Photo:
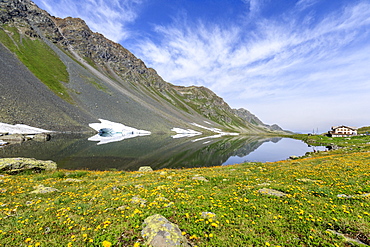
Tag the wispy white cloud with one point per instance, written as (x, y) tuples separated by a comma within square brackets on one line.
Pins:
[(304, 4), (107, 17), (291, 59)]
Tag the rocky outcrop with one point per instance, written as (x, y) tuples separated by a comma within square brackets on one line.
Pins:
[(159, 232), (17, 165), (206, 103), (107, 55), (26, 15)]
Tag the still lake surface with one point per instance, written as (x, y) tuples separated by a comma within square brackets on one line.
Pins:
[(157, 151)]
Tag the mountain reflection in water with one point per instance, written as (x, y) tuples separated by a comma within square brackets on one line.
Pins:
[(157, 151)]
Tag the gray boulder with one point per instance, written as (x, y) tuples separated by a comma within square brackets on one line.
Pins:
[(159, 232), (17, 165), (200, 178), (145, 169), (41, 189), (272, 192)]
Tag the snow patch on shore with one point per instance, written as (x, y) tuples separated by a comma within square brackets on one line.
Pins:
[(21, 129), (113, 127), (113, 132)]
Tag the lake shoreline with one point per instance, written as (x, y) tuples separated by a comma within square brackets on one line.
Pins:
[(81, 151)]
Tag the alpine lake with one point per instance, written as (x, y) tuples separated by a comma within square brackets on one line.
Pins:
[(71, 151)]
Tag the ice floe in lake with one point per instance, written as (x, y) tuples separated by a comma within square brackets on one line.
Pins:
[(113, 132), (20, 129), (184, 133)]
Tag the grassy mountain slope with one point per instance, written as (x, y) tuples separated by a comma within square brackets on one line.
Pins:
[(364, 130), (97, 78)]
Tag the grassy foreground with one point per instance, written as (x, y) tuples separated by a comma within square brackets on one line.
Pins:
[(107, 208)]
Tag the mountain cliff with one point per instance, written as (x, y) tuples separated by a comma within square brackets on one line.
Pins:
[(251, 118), (58, 74)]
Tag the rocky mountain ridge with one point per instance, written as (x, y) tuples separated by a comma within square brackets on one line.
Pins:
[(251, 118), (104, 80)]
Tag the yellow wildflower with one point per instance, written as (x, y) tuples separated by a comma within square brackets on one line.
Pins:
[(214, 224), (107, 243)]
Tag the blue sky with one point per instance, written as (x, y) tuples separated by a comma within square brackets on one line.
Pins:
[(303, 64)]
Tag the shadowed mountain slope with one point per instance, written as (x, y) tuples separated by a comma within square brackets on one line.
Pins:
[(59, 75)]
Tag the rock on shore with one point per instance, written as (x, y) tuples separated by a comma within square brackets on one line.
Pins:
[(17, 165)]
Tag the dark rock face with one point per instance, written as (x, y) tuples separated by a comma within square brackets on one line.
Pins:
[(248, 116), (104, 70), (101, 50)]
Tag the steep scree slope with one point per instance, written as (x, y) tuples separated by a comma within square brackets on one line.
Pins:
[(93, 78)]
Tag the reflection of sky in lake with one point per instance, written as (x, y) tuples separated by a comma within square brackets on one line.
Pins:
[(270, 151)]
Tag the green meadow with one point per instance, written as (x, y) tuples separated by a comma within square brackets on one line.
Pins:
[(326, 202)]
